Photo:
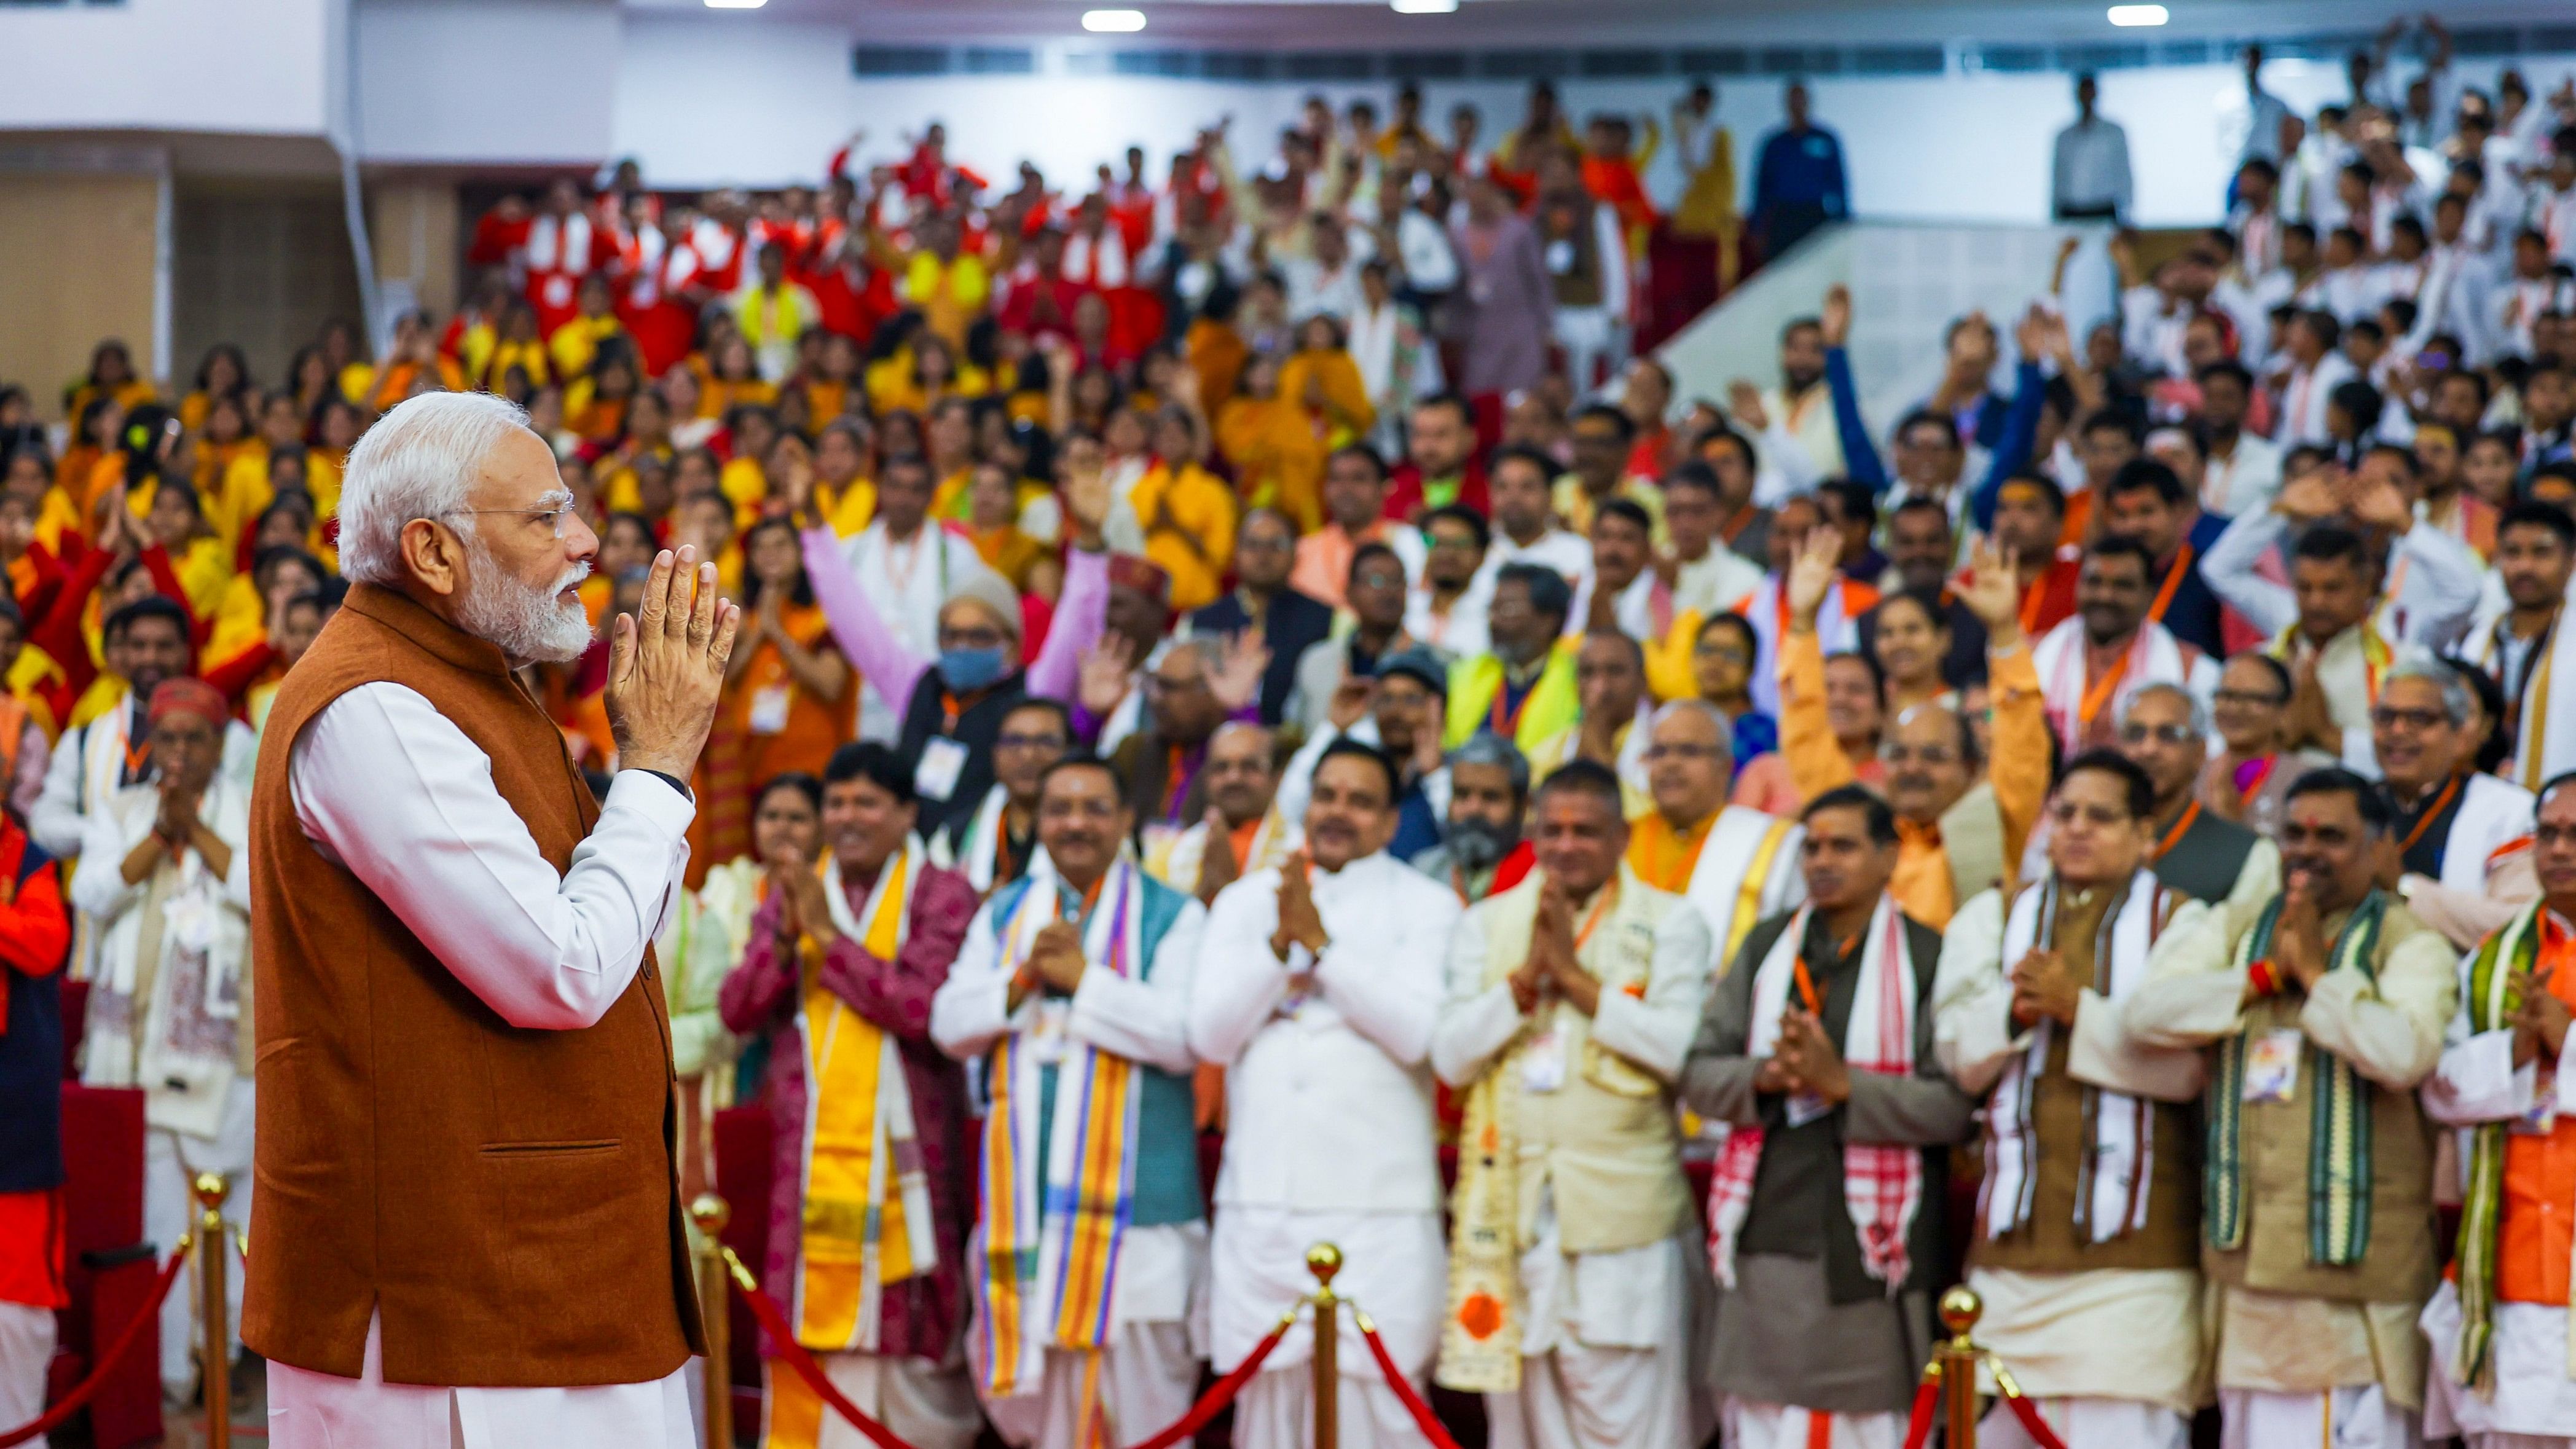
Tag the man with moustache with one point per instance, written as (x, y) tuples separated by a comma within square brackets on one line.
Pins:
[(2464, 836), (2086, 1248), (1318, 988), (1736, 864), (998, 842), (1610, 683), (2328, 1006), (1815, 1059), (1073, 987), (1240, 832), (1399, 712), (2111, 645), (2499, 1331), (500, 1246), (2524, 649), (1481, 850), (1957, 835), (2147, 501), (2164, 731), (874, 1256), (1570, 1003)]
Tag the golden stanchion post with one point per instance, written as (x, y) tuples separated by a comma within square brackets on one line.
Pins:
[(215, 1362), (710, 1213), (1957, 1357), (1324, 1261)]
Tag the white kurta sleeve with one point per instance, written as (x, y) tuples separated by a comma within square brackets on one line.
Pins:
[(2476, 1082), (1476, 1020), (2268, 606), (2442, 588), (1972, 1027), (393, 790), (1381, 980), (2391, 1033), (1239, 981), (2193, 994), (2103, 1052), (972, 1008), (56, 821), (1145, 1021), (98, 885), (1655, 1030)]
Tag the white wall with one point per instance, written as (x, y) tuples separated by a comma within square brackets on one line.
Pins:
[(257, 66), (486, 82)]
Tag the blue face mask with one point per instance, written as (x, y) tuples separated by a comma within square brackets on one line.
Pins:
[(963, 669)]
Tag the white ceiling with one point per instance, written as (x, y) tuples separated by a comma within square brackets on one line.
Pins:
[(1483, 23)]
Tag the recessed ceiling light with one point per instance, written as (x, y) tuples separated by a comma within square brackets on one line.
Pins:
[(1113, 22), (1424, 7), (2139, 15), (735, 4)]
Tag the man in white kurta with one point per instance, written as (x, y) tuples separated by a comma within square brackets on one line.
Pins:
[(908, 567), (1073, 986), (1572, 999), (1318, 985), (2086, 1250)]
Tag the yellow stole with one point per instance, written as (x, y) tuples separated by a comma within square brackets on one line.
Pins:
[(867, 1219)]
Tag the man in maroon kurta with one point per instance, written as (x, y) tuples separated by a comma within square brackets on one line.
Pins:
[(908, 1372)]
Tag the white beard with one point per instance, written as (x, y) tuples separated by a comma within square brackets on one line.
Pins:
[(528, 625)]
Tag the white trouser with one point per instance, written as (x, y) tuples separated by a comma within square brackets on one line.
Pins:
[(2093, 1423), (170, 1208), (1589, 335), (308, 1410), (26, 1348), (1777, 1426), (1147, 1378), (1275, 1411), (2356, 1416), (927, 1405)]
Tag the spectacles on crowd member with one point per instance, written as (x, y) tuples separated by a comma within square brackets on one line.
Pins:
[(972, 636), (2390, 717), (556, 514), (1894, 753), (2260, 698), (1682, 752), (2070, 813), (2172, 734), (1731, 653)]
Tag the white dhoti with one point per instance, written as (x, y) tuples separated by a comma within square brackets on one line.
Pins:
[(2535, 1398), (2356, 1416), (308, 1410), (1604, 1362), (1148, 1372), (2093, 1423), (1777, 1426), (170, 1159), (927, 1405), (1393, 1266), (26, 1349)]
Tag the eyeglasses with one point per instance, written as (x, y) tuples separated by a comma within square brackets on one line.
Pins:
[(1899, 754), (555, 516), (2391, 717), (1731, 653), (1682, 752), (972, 637), (2171, 734)]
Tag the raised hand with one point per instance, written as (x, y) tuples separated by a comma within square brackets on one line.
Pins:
[(2306, 498), (2376, 503), (1106, 674), (1350, 701), (1992, 592), (1086, 502), (1811, 574), (666, 670), (1744, 402), (1236, 680), (1838, 315)]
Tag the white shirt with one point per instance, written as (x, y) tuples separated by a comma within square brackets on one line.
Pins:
[(1328, 1095), (392, 790), (2091, 167), (907, 582), (2435, 597), (2245, 479), (2304, 395)]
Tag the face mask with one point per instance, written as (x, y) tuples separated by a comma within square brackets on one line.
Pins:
[(971, 668)]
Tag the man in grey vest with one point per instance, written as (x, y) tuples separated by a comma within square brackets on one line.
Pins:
[(2165, 731)]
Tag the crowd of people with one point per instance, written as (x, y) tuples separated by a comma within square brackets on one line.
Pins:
[(1667, 884)]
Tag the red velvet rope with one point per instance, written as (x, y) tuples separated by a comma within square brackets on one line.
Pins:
[(2032, 1424), (72, 1402), (774, 1320), (1926, 1399), (1423, 1419)]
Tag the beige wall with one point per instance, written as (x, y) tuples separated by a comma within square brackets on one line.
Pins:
[(261, 263), (76, 265), (413, 225)]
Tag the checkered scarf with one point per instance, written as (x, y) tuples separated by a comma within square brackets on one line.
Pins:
[(1882, 1183)]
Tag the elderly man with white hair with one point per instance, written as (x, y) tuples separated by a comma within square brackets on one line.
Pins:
[(469, 1229), (2464, 836)]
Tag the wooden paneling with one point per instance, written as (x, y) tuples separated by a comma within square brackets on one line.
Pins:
[(76, 265)]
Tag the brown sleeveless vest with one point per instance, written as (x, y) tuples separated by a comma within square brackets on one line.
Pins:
[(504, 1198)]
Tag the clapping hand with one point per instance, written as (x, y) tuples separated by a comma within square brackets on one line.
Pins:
[(2044, 990), (2540, 1021), (1808, 1058), (1056, 956), (1217, 868), (2298, 937), (1300, 924)]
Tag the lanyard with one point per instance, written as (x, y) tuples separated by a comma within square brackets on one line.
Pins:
[(2182, 827), (2432, 813), (2173, 581)]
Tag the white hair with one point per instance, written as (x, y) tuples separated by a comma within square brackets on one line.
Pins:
[(420, 460)]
